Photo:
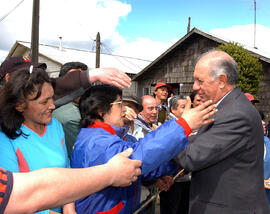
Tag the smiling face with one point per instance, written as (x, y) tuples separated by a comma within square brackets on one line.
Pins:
[(207, 87), (150, 109), (210, 79), (162, 94), (39, 111), (115, 116)]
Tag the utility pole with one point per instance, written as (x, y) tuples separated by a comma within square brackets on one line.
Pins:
[(255, 24), (98, 50), (188, 27), (35, 32)]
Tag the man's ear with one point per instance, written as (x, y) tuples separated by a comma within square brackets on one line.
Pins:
[(222, 80), (20, 107)]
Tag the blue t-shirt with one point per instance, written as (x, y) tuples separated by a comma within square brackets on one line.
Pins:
[(32, 151)]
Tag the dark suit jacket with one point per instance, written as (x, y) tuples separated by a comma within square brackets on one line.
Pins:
[(226, 160)]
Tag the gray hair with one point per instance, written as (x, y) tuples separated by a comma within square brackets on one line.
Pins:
[(173, 103), (224, 65)]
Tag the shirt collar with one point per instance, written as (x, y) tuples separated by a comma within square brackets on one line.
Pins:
[(172, 115), (223, 97)]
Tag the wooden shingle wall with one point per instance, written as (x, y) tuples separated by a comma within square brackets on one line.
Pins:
[(264, 93), (177, 67)]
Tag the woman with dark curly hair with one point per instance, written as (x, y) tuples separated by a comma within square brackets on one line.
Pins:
[(30, 138), (101, 137)]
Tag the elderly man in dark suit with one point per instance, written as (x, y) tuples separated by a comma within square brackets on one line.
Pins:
[(225, 157)]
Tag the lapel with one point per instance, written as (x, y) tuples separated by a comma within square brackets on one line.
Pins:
[(231, 97)]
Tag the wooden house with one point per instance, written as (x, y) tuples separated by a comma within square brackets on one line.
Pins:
[(176, 65)]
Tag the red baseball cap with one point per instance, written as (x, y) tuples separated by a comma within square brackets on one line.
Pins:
[(16, 62), (251, 98), (162, 84)]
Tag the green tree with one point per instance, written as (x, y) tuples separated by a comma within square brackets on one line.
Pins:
[(249, 67)]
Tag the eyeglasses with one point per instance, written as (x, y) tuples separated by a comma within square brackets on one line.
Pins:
[(117, 102)]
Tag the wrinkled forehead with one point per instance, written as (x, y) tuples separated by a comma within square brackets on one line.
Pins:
[(201, 71), (150, 103)]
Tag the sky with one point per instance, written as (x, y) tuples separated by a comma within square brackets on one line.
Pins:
[(137, 28)]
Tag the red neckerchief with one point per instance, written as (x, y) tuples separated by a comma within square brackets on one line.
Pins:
[(102, 125)]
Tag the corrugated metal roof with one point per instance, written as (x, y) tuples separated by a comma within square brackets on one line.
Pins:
[(127, 64)]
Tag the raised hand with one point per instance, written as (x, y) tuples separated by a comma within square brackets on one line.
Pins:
[(110, 76), (199, 116)]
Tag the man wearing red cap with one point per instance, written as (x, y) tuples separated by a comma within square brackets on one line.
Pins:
[(251, 98), (161, 95)]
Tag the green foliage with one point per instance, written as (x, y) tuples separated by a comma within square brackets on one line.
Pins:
[(249, 67)]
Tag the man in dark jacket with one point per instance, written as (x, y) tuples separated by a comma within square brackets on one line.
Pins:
[(225, 157)]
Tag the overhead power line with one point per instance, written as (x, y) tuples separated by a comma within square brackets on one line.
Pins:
[(3, 17), (124, 64)]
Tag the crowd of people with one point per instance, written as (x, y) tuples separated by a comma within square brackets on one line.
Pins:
[(68, 146)]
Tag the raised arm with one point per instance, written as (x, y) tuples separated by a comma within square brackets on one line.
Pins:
[(73, 84), (170, 138)]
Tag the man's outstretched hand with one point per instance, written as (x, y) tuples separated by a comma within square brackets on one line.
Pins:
[(124, 171), (110, 76)]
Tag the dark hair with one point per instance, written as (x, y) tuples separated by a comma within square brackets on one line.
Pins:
[(20, 85), (192, 95), (173, 103), (97, 99), (72, 65), (261, 114)]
